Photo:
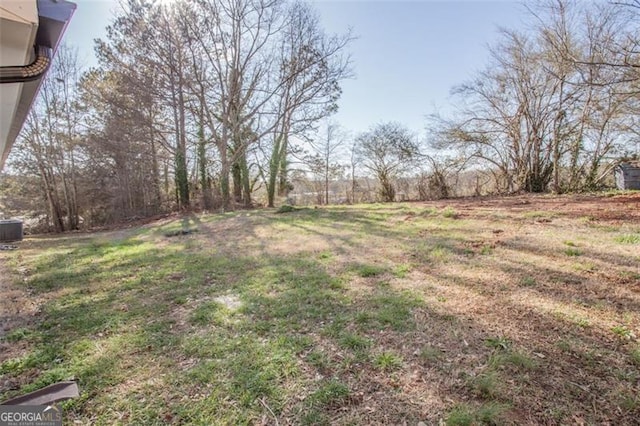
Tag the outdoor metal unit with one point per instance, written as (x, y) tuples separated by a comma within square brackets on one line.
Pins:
[(628, 176), (10, 230)]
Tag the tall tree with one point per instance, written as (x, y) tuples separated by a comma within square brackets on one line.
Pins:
[(326, 149), (311, 66), (49, 142), (146, 48), (539, 118), (387, 150)]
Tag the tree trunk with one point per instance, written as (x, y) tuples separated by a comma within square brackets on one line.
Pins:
[(202, 162), (387, 191), (52, 200), (74, 194), (274, 164), (157, 193), (246, 182), (326, 184), (283, 183), (236, 173), (180, 160), (224, 178), (353, 184)]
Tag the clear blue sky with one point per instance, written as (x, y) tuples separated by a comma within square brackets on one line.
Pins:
[(408, 55)]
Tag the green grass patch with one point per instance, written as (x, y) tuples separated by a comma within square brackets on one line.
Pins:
[(584, 266), (208, 313), (468, 415), (622, 332), (440, 253), (461, 415), (487, 385), (629, 402), (315, 417), (331, 393), (325, 255), (392, 310), (565, 346), (500, 343), (449, 213), (634, 354), (401, 271), (580, 321), (323, 316), (388, 361), (572, 252), (429, 211), (528, 282), (486, 250), (516, 359), (17, 335), (628, 239), (318, 359), (368, 271), (354, 342)]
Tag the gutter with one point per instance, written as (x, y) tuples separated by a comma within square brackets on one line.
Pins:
[(33, 71)]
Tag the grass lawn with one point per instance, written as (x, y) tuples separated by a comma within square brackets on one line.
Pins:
[(496, 311)]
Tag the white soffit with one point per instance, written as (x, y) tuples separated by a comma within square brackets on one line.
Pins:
[(18, 27)]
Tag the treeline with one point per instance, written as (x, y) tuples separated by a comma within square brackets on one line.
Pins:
[(558, 103), (193, 101), (219, 104), (555, 109)]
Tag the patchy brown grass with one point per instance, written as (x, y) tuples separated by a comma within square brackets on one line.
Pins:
[(520, 310)]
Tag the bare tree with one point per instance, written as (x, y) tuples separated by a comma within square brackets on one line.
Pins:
[(326, 149), (387, 150), (49, 145), (441, 176), (538, 118), (354, 162), (144, 51), (311, 66)]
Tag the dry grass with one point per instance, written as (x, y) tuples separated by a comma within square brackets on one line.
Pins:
[(521, 310)]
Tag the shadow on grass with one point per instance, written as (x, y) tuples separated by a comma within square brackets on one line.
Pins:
[(149, 335), (129, 308)]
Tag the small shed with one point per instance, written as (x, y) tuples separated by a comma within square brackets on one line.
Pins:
[(627, 175)]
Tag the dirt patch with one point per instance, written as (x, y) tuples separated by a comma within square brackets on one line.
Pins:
[(17, 306), (18, 312), (596, 207)]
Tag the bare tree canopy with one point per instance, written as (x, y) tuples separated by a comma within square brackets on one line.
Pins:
[(223, 104), (548, 112), (387, 150), (188, 101)]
